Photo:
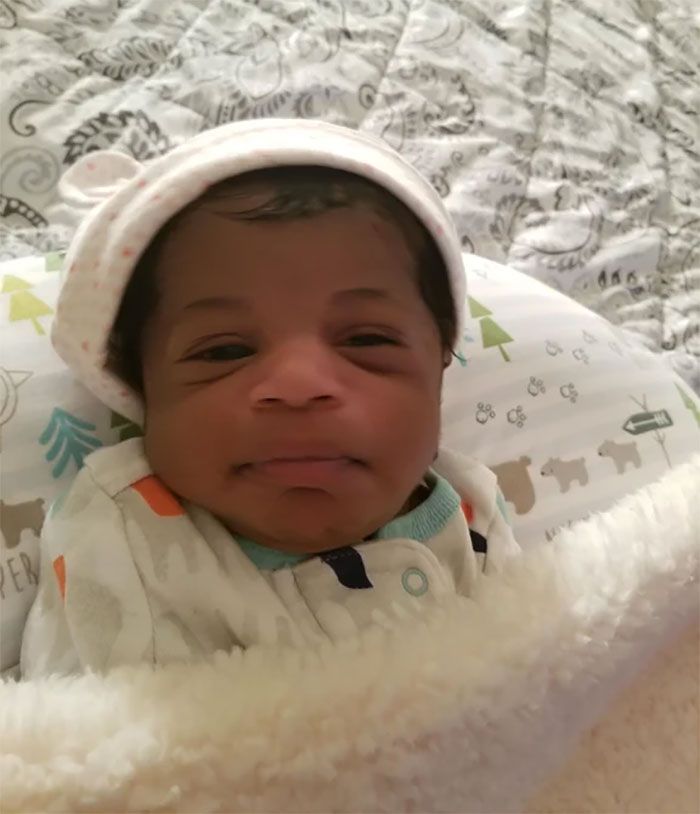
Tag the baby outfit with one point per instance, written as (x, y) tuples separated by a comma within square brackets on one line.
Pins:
[(129, 574)]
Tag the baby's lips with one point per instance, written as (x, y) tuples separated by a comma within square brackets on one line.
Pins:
[(307, 472), (297, 450)]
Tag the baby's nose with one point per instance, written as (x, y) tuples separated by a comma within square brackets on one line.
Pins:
[(299, 375)]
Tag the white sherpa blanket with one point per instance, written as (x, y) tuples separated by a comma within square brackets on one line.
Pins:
[(474, 709)]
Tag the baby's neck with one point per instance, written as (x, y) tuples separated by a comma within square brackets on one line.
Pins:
[(417, 496)]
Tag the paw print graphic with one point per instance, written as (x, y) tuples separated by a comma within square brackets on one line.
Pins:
[(553, 348), (615, 347), (484, 412), (535, 386), (588, 337), (568, 391), (580, 355), (516, 416)]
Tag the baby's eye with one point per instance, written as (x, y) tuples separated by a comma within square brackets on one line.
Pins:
[(231, 351), (364, 340)]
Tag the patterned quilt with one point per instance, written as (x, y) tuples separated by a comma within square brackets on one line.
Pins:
[(564, 135)]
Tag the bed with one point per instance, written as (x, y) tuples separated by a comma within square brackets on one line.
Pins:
[(564, 137)]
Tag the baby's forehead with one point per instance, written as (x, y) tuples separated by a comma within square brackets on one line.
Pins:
[(218, 227), (291, 192), (212, 255), (211, 231)]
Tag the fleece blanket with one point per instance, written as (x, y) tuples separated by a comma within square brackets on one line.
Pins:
[(474, 707), (644, 756)]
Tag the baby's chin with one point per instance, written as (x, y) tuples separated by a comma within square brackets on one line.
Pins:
[(298, 534), (310, 521)]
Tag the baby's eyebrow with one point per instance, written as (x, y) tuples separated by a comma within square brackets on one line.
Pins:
[(230, 303), (362, 294), (241, 304)]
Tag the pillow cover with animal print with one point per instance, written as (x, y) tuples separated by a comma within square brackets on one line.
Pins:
[(570, 412)]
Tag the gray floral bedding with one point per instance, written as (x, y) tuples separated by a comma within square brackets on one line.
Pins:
[(564, 135)]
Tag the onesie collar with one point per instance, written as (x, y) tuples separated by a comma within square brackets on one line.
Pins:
[(421, 524)]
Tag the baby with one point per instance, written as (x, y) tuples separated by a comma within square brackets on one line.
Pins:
[(275, 302)]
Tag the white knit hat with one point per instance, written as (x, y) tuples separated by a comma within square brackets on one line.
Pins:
[(129, 202)]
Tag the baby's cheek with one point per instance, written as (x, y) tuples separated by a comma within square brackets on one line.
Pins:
[(184, 448), (414, 408), (407, 430)]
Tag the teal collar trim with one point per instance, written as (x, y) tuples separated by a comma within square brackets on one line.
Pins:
[(421, 523), (428, 518), (269, 559)]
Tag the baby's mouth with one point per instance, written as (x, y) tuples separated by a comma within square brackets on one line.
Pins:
[(302, 471)]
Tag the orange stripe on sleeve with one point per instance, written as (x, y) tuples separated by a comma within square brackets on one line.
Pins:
[(468, 512), (59, 567), (160, 499)]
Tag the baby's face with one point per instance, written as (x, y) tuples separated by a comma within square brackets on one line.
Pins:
[(292, 375)]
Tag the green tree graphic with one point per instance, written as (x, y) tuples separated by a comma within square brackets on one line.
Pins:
[(690, 404), (460, 358), (53, 261), (70, 438), (23, 304), (492, 335), (477, 310), (127, 429)]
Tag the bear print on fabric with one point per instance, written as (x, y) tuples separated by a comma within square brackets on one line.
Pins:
[(621, 454), (566, 472), (515, 483), (16, 517)]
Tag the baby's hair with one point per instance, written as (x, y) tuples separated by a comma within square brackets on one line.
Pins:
[(278, 194)]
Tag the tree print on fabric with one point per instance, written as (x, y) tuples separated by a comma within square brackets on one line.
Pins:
[(24, 304), (492, 335), (690, 404), (70, 438), (53, 261)]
